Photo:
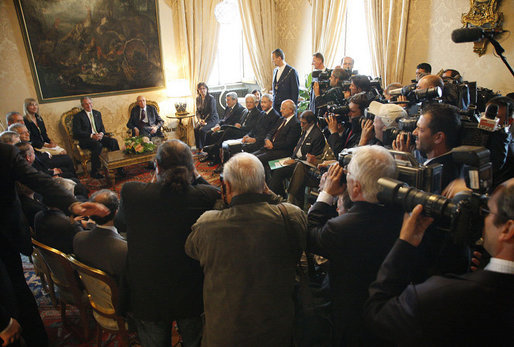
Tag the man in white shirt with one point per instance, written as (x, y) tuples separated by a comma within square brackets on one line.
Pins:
[(145, 120), (473, 309)]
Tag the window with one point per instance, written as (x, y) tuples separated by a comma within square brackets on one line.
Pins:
[(232, 63), (354, 45)]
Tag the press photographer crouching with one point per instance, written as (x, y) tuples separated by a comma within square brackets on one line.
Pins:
[(474, 309), (356, 242)]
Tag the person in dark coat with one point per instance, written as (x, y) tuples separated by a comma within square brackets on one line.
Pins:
[(286, 84), (162, 284), (145, 120), (206, 114)]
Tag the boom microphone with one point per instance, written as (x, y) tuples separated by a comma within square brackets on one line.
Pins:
[(467, 35)]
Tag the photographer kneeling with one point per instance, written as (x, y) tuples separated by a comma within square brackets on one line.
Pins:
[(474, 309), (356, 242)]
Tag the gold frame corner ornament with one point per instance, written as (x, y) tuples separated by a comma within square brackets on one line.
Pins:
[(483, 13)]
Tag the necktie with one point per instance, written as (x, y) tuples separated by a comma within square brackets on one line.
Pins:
[(299, 145), (92, 120), (278, 130), (143, 116)]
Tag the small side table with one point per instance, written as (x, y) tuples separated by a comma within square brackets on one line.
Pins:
[(183, 129)]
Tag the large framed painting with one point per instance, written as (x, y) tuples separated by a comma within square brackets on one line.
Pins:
[(84, 47)]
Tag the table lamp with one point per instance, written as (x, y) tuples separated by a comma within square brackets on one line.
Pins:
[(179, 89)]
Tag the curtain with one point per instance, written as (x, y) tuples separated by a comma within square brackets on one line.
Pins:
[(197, 38), (258, 20), (387, 32), (327, 28)]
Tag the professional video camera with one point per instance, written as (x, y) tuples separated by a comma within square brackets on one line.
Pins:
[(460, 216), (340, 111), (323, 79), (417, 95)]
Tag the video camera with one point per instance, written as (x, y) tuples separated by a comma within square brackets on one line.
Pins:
[(340, 111), (417, 95), (323, 80)]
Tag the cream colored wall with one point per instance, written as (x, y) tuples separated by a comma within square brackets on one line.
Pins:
[(429, 40), (17, 83), (294, 34)]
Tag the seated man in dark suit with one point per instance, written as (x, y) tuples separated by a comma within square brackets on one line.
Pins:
[(310, 145), (249, 122), (468, 310), (103, 248), (356, 242), (269, 121), (53, 228), (232, 116), (89, 129), (283, 140), (144, 119)]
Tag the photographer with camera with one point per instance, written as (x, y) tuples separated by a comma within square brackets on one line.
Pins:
[(422, 70), (345, 128), (437, 132), (357, 242), (473, 309), (380, 124), (335, 94)]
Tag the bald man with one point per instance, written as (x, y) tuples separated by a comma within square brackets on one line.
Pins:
[(144, 119)]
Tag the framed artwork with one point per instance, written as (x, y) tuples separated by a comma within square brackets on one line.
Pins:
[(84, 47)]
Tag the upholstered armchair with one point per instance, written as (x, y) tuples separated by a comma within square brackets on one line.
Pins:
[(164, 129)]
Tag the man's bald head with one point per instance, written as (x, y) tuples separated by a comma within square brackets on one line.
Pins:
[(430, 81)]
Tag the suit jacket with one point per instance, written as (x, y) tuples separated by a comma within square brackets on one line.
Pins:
[(287, 87), (54, 229), (82, 127), (208, 113), (233, 116), (288, 136), (356, 243), (38, 135), (103, 249), (16, 168), (314, 143), (151, 113), (250, 120), (469, 310), (249, 271), (161, 282), (267, 124), (350, 137)]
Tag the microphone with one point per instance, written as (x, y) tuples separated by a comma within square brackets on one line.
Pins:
[(473, 34), (467, 35)]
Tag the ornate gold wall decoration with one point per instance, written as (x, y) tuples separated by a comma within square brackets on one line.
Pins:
[(483, 13)]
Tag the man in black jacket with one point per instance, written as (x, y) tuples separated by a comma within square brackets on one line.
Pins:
[(474, 309), (162, 284), (309, 146), (281, 142), (269, 121), (24, 308), (145, 120), (357, 242), (285, 80), (89, 129)]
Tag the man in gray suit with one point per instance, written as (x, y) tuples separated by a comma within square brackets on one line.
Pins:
[(102, 247)]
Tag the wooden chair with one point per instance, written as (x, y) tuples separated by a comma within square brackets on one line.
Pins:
[(65, 279), (103, 297), (164, 129), (42, 270), (82, 156)]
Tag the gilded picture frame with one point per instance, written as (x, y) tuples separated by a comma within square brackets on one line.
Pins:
[(91, 47)]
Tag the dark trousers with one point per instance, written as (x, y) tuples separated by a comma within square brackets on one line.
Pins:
[(34, 332), (63, 162), (158, 334), (265, 155), (201, 133), (96, 148), (278, 178), (299, 180)]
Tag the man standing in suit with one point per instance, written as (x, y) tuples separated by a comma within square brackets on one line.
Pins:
[(356, 242), (102, 247), (310, 145), (89, 129), (162, 283), (144, 119), (469, 310), (281, 142), (286, 84), (23, 307)]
